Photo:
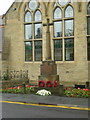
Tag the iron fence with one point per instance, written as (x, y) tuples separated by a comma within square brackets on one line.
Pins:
[(14, 74)]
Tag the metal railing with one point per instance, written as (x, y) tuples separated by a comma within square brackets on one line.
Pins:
[(14, 74)]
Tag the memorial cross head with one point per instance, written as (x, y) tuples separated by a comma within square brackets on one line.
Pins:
[(48, 24)]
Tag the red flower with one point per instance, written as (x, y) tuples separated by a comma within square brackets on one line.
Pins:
[(87, 90), (41, 83), (14, 87), (72, 95), (28, 86), (55, 83), (49, 83)]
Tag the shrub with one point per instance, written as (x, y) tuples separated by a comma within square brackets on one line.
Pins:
[(72, 92)]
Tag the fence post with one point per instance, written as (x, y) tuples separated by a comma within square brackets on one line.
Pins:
[(7, 74), (20, 74), (23, 87), (27, 74)]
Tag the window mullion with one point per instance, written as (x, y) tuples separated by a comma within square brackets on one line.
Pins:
[(33, 39), (63, 47), (33, 50)]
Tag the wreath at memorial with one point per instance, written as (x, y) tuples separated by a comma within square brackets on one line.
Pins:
[(55, 83), (41, 83), (49, 83)]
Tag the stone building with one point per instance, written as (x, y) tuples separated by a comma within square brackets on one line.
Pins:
[(1, 32), (48, 31)]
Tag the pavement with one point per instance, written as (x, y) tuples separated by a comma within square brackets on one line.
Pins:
[(46, 100)]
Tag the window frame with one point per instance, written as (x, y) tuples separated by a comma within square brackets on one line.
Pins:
[(88, 56), (63, 19), (88, 35), (61, 50), (65, 48), (25, 51), (34, 50), (33, 39)]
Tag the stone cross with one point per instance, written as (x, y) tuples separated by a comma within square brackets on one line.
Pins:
[(48, 24), (48, 44)]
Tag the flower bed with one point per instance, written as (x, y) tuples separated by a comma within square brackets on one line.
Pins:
[(69, 92), (18, 89), (72, 92)]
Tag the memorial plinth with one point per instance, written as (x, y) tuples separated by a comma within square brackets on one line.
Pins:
[(48, 70)]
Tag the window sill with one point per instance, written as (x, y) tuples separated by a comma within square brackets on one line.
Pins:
[(30, 62), (65, 62)]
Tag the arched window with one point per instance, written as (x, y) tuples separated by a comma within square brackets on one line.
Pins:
[(38, 26), (88, 31), (28, 27), (63, 34), (69, 11), (88, 19), (38, 16), (69, 23), (33, 32), (88, 9), (28, 17), (57, 13), (57, 22), (57, 33)]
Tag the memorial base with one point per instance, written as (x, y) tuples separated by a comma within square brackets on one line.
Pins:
[(49, 77)]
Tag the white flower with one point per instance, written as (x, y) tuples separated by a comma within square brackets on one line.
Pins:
[(43, 92)]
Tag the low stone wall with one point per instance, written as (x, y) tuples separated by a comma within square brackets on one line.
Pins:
[(11, 83), (59, 90)]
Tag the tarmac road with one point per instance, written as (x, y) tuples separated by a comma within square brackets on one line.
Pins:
[(12, 110)]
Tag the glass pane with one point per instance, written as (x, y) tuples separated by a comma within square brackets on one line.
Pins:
[(63, 2), (28, 51), (57, 13), (88, 48), (88, 25), (28, 31), (69, 49), (33, 4), (38, 50), (58, 49), (38, 16), (38, 31), (69, 12), (69, 31), (88, 9), (28, 17), (58, 29)]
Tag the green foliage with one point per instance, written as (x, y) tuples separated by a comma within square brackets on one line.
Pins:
[(18, 89), (71, 92)]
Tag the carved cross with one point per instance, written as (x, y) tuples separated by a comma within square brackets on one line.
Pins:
[(48, 24)]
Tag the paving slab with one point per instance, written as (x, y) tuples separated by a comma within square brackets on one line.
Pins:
[(57, 100)]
